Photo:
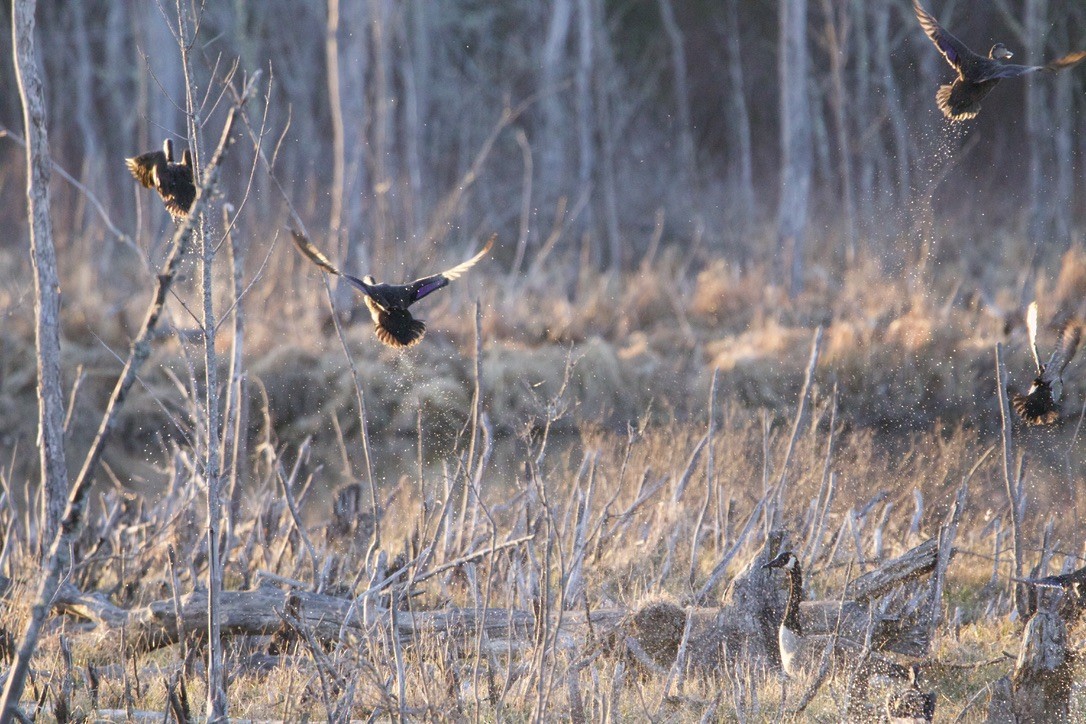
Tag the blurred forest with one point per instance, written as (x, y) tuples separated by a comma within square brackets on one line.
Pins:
[(642, 161), (636, 107), (733, 226)]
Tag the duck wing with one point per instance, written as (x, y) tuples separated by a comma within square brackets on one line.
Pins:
[(1068, 61), (1064, 352), (176, 187), (1031, 328), (142, 167), (427, 285), (998, 71), (955, 51), (311, 252)]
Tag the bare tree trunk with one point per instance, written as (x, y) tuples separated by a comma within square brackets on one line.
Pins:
[(743, 142), (54, 470), (381, 28), (586, 157), (895, 109), (553, 146), (335, 105), (164, 93), (682, 95), (1039, 129), (346, 98), (1063, 193), (604, 73), (60, 561), (188, 23), (795, 112), (415, 50), (865, 113), (835, 26), (84, 102)]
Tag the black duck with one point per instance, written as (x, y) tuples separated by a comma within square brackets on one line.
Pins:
[(1041, 405), (173, 181), (388, 303), (977, 75)]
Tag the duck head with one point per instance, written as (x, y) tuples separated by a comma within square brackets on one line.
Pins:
[(786, 560), (999, 52)]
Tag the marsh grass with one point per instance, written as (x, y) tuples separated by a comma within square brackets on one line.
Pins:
[(592, 448)]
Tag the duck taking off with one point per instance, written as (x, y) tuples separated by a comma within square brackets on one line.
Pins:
[(1041, 405), (977, 75), (388, 303), (173, 181)]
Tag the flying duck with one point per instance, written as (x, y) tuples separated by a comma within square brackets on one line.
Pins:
[(1041, 405), (173, 181), (388, 303), (911, 706), (977, 75)]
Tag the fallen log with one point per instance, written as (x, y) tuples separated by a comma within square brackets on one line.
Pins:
[(260, 612), (913, 564)]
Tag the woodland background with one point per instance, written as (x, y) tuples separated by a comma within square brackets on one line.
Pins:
[(683, 192)]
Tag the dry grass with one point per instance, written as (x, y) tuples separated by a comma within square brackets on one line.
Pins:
[(595, 392)]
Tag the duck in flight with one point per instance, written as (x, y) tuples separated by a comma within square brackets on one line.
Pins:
[(173, 181), (388, 303), (1041, 405), (977, 75)]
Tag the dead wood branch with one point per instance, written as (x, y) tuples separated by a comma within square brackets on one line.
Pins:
[(915, 563), (60, 556)]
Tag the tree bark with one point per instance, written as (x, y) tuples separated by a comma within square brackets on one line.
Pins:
[(835, 26), (414, 49), (744, 145), (682, 95), (39, 165), (555, 122), (1039, 127), (865, 112), (381, 12), (895, 111), (582, 81), (59, 562), (604, 69), (796, 158), (346, 80)]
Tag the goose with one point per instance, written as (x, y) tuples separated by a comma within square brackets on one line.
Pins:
[(388, 303), (802, 654), (911, 706), (173, 181), (977, 75), (1040, 405), (796, 658)]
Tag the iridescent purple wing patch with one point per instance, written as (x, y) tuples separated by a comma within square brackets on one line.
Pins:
[(429, 287)]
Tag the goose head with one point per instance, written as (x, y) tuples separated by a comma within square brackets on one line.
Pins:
[(999, 52), (786, 560)]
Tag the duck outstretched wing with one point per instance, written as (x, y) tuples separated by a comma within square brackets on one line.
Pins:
[(955, 51), (1064, 352), (427, 285)]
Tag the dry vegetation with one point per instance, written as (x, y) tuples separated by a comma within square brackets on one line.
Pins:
[(557, 506), (585, 488)]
